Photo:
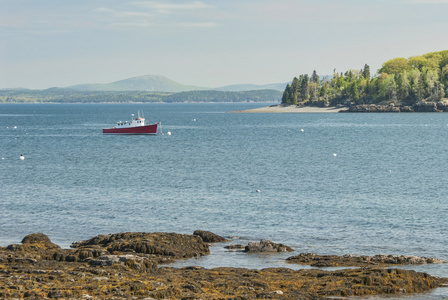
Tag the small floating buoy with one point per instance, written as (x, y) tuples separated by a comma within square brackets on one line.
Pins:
[(258, 191), (22, 157), (194, 120), (168, 133), (334, 154), (302, 130), (15, 127)]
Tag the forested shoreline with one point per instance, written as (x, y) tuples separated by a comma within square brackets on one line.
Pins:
[(60, 95), (399, 81)]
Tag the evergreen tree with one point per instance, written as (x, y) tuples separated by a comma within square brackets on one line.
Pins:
[(295, 90), (314, 77), (304, 87), (366, 72), (286, 99)]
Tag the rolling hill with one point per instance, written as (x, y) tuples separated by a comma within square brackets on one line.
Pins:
[(149, 83), (157, 83)]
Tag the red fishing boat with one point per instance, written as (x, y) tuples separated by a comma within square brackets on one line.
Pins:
[(135, 126)]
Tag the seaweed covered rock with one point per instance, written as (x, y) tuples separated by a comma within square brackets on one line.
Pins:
[(92, 272), (39, 238), (34, 241), (135, 262), (166, 244), (350, 260), (36, 246), (209, 237)]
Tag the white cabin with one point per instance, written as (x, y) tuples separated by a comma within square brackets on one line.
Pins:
[(133, 123)]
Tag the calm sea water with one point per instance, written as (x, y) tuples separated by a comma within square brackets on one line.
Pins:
[(347, 183)]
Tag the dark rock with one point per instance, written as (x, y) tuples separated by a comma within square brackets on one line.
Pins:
[(266, 246), (423, 106), (373, 108), (209, 237), (235, 247), (164, 244), (442, 106)]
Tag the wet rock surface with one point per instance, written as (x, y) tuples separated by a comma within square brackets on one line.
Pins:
[(266, 246), (165, 244), (113, 267), (209, 237), (349, 260)]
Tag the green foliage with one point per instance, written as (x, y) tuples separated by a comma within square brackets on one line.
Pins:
[(395, 66), (399, 81)]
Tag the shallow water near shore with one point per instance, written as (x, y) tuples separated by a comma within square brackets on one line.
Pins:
[(347, 183)]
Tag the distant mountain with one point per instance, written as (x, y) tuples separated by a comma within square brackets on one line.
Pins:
[(252, 87), (152, 83)]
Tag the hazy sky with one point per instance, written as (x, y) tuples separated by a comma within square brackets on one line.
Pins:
[(209, 43)]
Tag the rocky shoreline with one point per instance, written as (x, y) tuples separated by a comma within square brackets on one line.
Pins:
[(127, 266), (441, 106)]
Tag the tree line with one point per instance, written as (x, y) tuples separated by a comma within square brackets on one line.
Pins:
[(61, 95), (399, 81)]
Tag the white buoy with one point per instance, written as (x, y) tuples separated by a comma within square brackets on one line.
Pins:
[(168, 133), (22, 157), (194, 120), (258, 191), (334, 154), (302, 130)]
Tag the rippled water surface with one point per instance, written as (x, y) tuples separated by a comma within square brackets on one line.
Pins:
[(346, 183)]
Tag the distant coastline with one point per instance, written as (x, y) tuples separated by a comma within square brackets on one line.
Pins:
[(285, 108)]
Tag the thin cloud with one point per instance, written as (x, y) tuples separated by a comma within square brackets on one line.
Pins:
[(133, 24), (121, 14), (167, 8), (199, 24)]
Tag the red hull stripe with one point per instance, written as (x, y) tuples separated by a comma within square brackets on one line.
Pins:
[(148, 129)]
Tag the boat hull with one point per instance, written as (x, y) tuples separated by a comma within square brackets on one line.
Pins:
[(147, 129)]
